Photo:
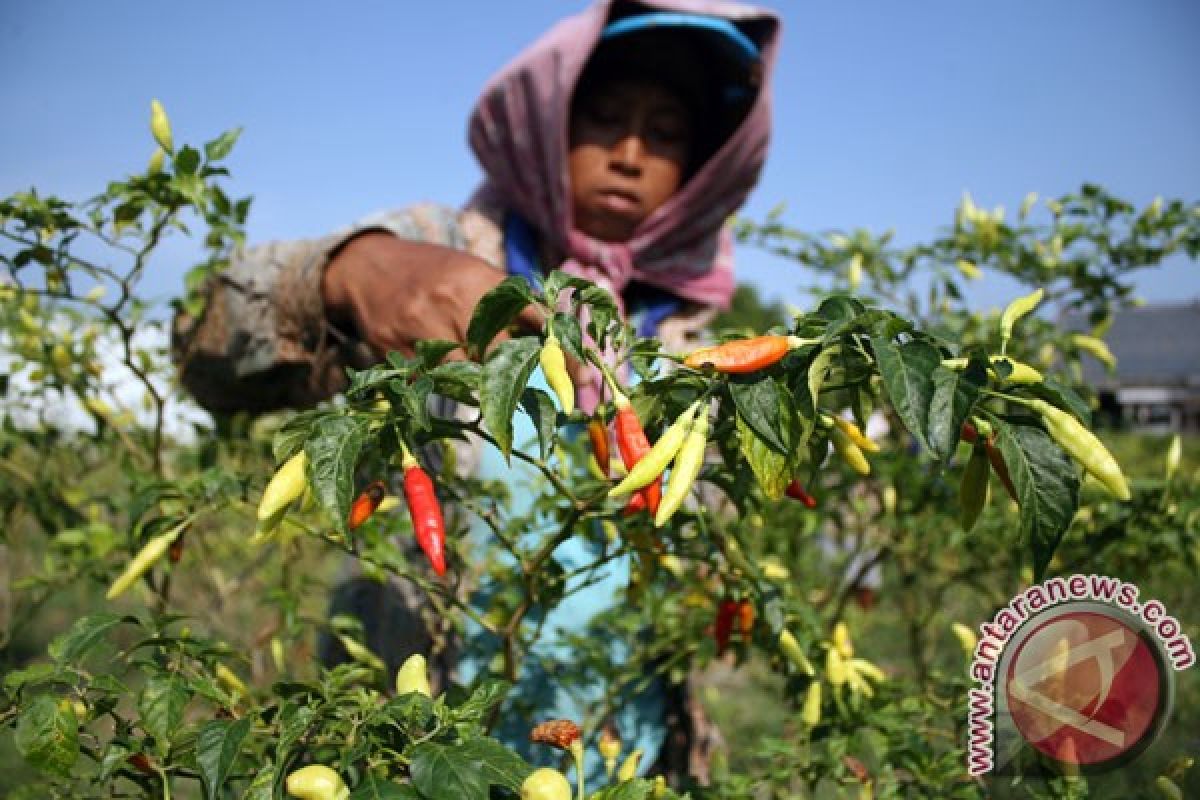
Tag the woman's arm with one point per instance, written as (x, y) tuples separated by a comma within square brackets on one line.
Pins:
[(281, 325)]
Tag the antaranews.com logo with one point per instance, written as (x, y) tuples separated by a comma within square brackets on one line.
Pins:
[(1076, 668)]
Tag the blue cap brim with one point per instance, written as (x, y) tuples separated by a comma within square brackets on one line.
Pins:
[(737, 43)]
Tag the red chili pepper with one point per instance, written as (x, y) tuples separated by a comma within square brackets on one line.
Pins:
[(637, 502), (633, 444), (743, 355), (365, 504), (795, 490), (175, 551), (142, 763), (426, 512), (598, 433), (723, 626), (971, 435)]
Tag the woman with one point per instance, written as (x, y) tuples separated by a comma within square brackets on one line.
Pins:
[(614, 148)]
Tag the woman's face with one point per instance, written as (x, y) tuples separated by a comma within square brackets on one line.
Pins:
[(630, 141)]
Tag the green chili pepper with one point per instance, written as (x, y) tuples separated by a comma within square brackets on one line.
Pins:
[(973, 490), (655, 461), (683, 473)]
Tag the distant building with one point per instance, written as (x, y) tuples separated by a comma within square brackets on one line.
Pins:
[(1156, 385)]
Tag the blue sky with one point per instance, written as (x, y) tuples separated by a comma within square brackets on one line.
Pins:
[(886, 112)]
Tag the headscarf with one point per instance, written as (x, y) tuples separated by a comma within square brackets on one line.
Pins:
[(519, 131)]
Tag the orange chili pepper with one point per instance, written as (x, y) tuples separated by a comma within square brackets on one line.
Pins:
[(598, 433), (365, 504), (744, 355)]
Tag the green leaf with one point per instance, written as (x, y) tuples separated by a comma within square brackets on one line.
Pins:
[(504, 378), (187, 161), (495, 310), (161, 706), (761, 405), (602, 310), (954, 395), (558, 280), (636, 789), (540, 408), (416, 402), (483, 700), (458, 380), (48, 736), (373, 788), (500, 766), (769, 466), (36, 674), (430, 352), (263, 785), (907, 372), (1047, 485), (441, 772), (85, 634), (333, 453), (220, 147), (290, 438), (217, 748), (570, 335)]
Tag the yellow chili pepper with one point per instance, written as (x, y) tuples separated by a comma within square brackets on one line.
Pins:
[(156, 161), (966, 638), (610, 749), (160, 126), (1017, 309), (856, 435), (841, 640), (230, 680), (794, 653), (651, 465), (811, 715), (554, 367), (1021, 373), (153, 550), (1096, 348), (1082, 445), (412, 677), (683, 473), (285, 486), (835, 667), (628, 770), (968, 270), (850, 452), (316, 782), (1174, 456)]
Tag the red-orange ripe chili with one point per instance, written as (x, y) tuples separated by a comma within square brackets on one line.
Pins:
[(633, 445), (598, 433), (795, 490), (426, 512), (744, 355), (175, 551), (365, 504), (723, 626)]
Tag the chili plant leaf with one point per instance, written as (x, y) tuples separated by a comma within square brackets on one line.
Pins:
[(907, 372), (954, 395), (495, 311), (161, 706), (500, 766), (85, 634), (47, 736), (541, 410), (333, 452), (1047, 485), (769, 466), (373, 788), (442, 772), (760, 404), (504, 378), (217, 748)]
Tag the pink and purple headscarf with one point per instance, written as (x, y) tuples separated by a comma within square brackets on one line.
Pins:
[(518, 131)]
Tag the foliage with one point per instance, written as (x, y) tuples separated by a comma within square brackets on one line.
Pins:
[(147, 696)]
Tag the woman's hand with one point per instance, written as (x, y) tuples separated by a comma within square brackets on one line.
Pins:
[(395, 292)]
